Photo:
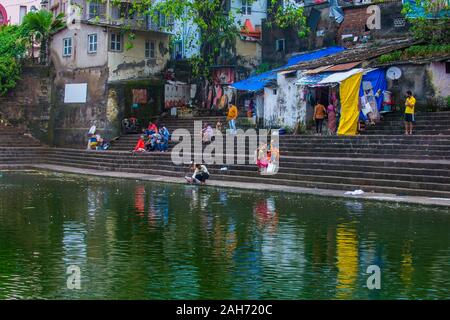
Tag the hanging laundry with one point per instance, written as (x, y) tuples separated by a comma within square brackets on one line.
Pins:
[(336, 11)]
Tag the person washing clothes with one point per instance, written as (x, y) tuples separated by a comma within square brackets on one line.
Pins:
[(200, 175)]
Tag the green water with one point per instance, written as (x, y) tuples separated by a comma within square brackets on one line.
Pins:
[(136, 240)]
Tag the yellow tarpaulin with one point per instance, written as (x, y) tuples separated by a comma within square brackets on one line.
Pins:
[(349, 92)]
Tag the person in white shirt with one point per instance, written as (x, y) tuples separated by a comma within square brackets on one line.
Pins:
[(200, 175)]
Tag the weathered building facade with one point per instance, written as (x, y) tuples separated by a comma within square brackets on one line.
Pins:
[(119, 59), (361, 21), (13, 11)]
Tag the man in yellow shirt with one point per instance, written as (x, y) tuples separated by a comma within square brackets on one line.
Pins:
[(231, 117), (410, 105)]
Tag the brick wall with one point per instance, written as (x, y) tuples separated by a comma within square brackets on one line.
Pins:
[(356, 18)]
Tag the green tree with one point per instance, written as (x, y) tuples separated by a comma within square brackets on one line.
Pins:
[(288, 14), (216, 21), (40, 25), (13, 45), (429, 19)]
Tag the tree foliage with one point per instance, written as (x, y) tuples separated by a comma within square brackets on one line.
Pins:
[(216, 24), (429, 19), (13, 45), (288, 14), (40, 25)]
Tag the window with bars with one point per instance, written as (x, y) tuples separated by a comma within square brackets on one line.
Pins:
[(116, 42), (150, 52), (67, 47), (92, 43), (399, 22)]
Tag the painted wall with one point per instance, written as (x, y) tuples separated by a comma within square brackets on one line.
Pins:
[(249, 54), (80, 57), (258, 13), (286, 108), (415, 78), (188, 33), (132, 64), (72, 121), (12, 8), (440, 79)]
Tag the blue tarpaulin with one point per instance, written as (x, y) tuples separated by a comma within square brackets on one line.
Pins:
[(313, 55), (377, 78), (312, 79), (258, 82)]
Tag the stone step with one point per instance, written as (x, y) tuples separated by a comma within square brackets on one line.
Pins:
[(411, 188), (302, 144), (158, 155), (396, 166), (251, 169), (285, 166)]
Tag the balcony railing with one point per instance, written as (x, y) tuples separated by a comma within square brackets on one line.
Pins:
[(119, 16)]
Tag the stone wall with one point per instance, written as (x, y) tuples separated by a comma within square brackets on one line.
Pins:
[(415, 77), (28, 106), (440, 78), (71, 122)]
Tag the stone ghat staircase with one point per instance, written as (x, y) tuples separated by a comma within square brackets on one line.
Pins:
[(11, 137), (436, 123), (394, 176), (417, 165), (18, 149), (389, 146), (128, 141)]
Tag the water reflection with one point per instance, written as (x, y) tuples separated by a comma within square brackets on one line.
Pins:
[(157, 241), (346, 260), (139, 199)]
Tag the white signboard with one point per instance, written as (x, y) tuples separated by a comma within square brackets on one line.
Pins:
[(75, 93)]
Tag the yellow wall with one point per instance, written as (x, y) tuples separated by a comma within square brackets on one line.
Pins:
[(132, 63)]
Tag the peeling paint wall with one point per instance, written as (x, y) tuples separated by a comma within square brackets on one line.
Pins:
[(415, 78), (71, 122), (249, 53), (80, 58), (440, 79), (132, 64), (283, 109)]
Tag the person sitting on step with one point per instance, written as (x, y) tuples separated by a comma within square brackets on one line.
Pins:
[(219, 126), (207, 133), (151, 129), (165, 135), (140, 145)]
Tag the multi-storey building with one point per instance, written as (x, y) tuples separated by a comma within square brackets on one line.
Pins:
[(13, 11), (108, 65)]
